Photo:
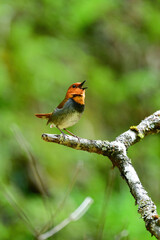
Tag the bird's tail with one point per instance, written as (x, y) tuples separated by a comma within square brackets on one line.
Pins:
[(43, 115)]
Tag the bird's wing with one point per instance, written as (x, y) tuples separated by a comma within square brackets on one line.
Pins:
[(58, 111), (65, 106), (62, 103)]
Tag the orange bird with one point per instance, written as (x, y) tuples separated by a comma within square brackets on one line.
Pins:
[(69, 111)]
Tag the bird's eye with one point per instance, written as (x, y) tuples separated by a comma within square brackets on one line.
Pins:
[(74, 86)]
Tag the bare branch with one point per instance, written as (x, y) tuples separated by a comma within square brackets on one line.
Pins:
[(74, 216), (117, 153), (148, 126)]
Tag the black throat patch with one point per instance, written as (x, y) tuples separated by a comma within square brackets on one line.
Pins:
[(77, 106)]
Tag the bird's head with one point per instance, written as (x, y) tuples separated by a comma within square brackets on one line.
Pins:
[(76, 89)]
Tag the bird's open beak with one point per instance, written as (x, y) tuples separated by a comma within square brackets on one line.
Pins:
[(80, 86)]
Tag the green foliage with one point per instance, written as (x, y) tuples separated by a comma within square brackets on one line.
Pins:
[(45, 46)]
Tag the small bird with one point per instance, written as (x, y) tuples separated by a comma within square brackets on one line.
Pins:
[(69, 111)]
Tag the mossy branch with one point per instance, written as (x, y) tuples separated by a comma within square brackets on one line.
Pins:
[(116, 151)]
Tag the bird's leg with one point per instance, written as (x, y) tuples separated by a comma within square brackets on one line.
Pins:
[(71, 133), (61, 131)]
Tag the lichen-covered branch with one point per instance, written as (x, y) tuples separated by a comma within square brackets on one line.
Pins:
[(149, 125), (116, 151)]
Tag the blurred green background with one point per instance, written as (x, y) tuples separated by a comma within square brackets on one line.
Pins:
[(45, 46)]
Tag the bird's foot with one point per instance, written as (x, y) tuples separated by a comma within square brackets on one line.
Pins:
[(76, 137), (62, 136), (72, 134)]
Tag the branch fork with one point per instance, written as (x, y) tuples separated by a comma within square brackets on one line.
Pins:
[(116, 151)]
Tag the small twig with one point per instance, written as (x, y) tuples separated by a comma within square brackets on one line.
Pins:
[(61, 205), (76, 215), (20, 212), (106, 199), (34, 166), (27, 149)]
